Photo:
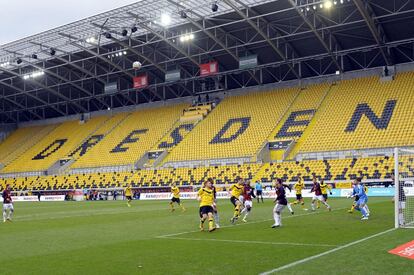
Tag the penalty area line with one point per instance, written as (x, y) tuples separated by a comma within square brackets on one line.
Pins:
[(251, 242), (326, 252), (254, 222)]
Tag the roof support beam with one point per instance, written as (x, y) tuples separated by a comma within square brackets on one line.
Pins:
[(376, 29), (317, 34), (262, 34)]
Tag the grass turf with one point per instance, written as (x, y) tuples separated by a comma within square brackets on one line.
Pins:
[(110, 238)]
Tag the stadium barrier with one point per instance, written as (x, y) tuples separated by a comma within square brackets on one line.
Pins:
[(35, 198)]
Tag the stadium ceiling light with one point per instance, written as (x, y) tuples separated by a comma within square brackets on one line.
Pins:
[(52, 51), (33, 75), (5, 64), (91, 40), (124, 32), (186, 37), (328, 4), (34, 56), (125, 52), (19, 61), (134, 29), (165, 19), (108, 35)]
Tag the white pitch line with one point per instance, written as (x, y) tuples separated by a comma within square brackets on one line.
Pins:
[(293, 216), (251, 242), (325, 253)]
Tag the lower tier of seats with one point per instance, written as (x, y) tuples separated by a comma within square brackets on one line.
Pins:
[(379, 168)]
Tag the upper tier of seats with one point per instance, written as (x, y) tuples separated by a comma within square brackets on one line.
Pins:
[(237, 127), (134, 135), (364, 113), (54, 146)]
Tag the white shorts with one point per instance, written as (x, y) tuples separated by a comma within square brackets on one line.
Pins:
[(8, 206), (248, 204), (279, 208), (319, 198), (241, 199)]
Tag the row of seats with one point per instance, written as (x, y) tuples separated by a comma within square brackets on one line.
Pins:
[(365, 113), (339, 169), (237, 127)]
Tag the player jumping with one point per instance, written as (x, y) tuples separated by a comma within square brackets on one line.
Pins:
[(318, 195), (8, 208), (206, 198), (175, 191), (281, 203), (236, 190), (248, 194)]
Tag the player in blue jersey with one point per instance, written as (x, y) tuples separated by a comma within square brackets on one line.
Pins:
[(360, 205)]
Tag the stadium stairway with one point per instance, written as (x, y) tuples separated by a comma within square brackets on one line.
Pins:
[(297, 119)]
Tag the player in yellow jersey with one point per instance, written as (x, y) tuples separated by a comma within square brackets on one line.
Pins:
[(175, 191), (206, 198), (299, 186), (236, 190), (128, 194), (324, 188)]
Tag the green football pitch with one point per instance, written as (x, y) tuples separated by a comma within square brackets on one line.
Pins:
[(107, 237)]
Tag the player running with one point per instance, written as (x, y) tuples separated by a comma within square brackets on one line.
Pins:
[(324, 188), (128, 194), (299, 186), (248, 194), (281, 202), (175, 191), (236, 190), (318, 195), (8, 208), (206, 198), (215, 209)]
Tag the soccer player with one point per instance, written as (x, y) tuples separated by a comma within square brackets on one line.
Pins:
[(318, 195), (356, 198), (299, 186), (362, 198), (128, 194), (248, 194), (206, 198), (175, 191), (236, 190), (215, 209), (281, 202), (324, 188), (259, 191), (8, 208)]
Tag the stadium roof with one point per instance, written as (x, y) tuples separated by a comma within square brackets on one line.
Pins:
[(292, 39)]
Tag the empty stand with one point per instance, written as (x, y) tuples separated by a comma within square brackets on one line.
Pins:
[(54, 146), (365, 113), (135, 135), (237, 127)]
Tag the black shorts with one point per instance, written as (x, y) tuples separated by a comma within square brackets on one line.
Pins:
[(177, 200), (356, 198), (233, 200), (325, 196), (259, 192), (206, 209), (128, 198), (298, 197)]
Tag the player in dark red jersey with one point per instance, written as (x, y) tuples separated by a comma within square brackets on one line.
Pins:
[(7, 204), (248, 194), (318, 195), (281, 202)]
